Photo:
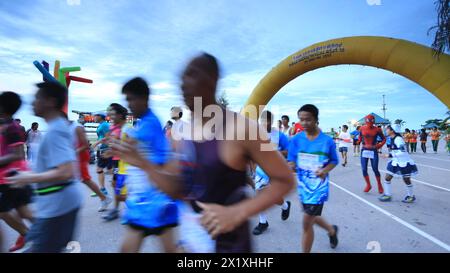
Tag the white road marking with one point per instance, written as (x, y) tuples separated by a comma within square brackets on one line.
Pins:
[(422, 156), (418, 181), (437, 168), (397, 219)]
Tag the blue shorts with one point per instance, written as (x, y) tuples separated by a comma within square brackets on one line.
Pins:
[(120, 184), (343, 149)]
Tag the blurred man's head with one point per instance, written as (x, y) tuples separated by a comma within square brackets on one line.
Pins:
[(99, 118), (285, 120), (136, 93), (81, 120), (266, 120), (10, 103), (50, 97), (344, 128), (308, 115), (199, 79), (176, 113), (117, 113), (34, 126)]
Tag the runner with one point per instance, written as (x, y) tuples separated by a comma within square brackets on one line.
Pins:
[(103, 162), (81, 145), (291, 131), (285, 128), (58, 195), (435, 135), (344, 143), (447, 139), (213, 171), (118, 115), (368, 137), (413, 141), (149, 211), (176, 113), (400, 165), (12, 159), (407, 137), (33, 138), (355, 136), (313, 155), (168, 129), (334, 135), (261, 179), (297, 127), (423, 140)]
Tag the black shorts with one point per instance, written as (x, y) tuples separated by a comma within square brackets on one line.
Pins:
[(115, 164), (110, 164), (343, 149), (313, 209), (355, 142), (103, 162), (152, 231), (12, 198)]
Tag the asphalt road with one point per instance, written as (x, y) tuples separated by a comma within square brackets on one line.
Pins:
[(366, 224)]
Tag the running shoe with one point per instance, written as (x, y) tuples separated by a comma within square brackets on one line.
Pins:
[(334, 239), (112, 215), (409, 199), (105, 203), (260, 228), (385, 198), (20, 243), (285, 212), (93, 194)]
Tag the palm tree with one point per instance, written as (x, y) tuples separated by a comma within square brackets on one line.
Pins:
[(441, 41), (400, 123), (223, 101)]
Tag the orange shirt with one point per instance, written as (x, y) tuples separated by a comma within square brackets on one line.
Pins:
[(435, 135), (406, 137), (413, 138)]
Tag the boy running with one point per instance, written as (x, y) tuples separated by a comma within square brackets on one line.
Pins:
[(313, 155), (344, 143)]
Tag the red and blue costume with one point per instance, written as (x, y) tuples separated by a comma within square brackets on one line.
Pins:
[(368, 137)]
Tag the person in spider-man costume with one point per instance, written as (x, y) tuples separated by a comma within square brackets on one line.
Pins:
[(368, 138)]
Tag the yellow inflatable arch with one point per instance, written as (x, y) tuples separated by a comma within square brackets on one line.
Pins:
[(413, 61)]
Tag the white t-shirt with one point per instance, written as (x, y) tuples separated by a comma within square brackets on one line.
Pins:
[(399, 155), (347, 140), (285, 130)]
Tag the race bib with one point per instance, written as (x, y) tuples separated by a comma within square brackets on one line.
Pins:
[(309, 162), (368, 154)]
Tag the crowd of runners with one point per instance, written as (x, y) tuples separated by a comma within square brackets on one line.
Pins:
[(167, 177)]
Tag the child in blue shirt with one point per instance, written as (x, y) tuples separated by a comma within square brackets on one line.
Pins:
[(313, 155)]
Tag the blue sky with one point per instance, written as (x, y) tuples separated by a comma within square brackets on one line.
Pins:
[(113, 41)]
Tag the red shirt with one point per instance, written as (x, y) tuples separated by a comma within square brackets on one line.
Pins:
[(11, 135), (115, 131), (368, 137), (298, 128)]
